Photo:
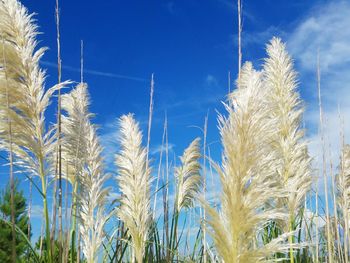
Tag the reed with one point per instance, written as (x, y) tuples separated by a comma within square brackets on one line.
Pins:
[(292, 165), (134, 182)]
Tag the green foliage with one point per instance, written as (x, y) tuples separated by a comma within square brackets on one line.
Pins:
[(21, 220)]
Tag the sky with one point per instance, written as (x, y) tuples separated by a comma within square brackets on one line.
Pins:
[(191, 46)]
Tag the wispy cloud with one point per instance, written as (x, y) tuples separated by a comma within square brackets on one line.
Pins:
[(37, 211), (170, 6), (324, 31), (109, 140), (211, 81), (158, 148), (95, 72), (260, 37)]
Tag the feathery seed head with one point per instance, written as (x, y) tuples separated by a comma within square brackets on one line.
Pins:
[(293, 165), (134, 183), (188, 176)]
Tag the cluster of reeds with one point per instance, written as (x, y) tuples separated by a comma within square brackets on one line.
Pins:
[(265, 172)]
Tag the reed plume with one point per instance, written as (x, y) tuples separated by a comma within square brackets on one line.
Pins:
[(188, 182), (75, 128), (134, 183), (343, 186), (21, 75), (293, 165), (82, 153), (188, 179), (246, 178), (92, 198)]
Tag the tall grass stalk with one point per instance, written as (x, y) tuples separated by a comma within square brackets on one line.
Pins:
[(205, 129), (59, 157), (159, 170), (188, 182), (335, 206), (239, 10), (28, 98), (150, 116), (292, 163), (245, 176), (134, 182), (87, 163), (329, 245)]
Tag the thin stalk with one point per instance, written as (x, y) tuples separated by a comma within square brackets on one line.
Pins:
[(41, 239), (316, 215), (335, 212), (329, 246), (78, 250), (67, 241), (173, 231), (150, 118), (54, 213), (212, 176), (46, 211), (159, 169), (204, 187), (239, 8), (166, 205), (74, 220), (59, 135), (290, 239), (30, 208), (81, 61)]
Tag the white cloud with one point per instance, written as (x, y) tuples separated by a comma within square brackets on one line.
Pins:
[(94, 72), (211, 81), (157, 149), (109, 141), (260, 37), (170, 6), (324, 30), (37, 211)]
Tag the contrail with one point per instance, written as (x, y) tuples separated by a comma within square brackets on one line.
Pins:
[(94, 72)]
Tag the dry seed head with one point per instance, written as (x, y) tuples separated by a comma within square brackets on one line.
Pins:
[(134, 182)]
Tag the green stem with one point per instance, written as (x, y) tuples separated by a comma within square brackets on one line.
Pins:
[(46, 211), (74, 218), (174, 235), (290, 239)]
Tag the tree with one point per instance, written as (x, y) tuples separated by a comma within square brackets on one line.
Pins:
[(21, 219)]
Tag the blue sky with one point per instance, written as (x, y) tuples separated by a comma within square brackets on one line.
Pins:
[(190, 46)]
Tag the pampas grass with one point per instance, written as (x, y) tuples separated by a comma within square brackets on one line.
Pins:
[(247, 182), (292, 165), (92, 198), (188, 179), (28, 99), (76, 125), (83, 153), (134, 182), (265, 171), (343, 186), (285, 110)]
